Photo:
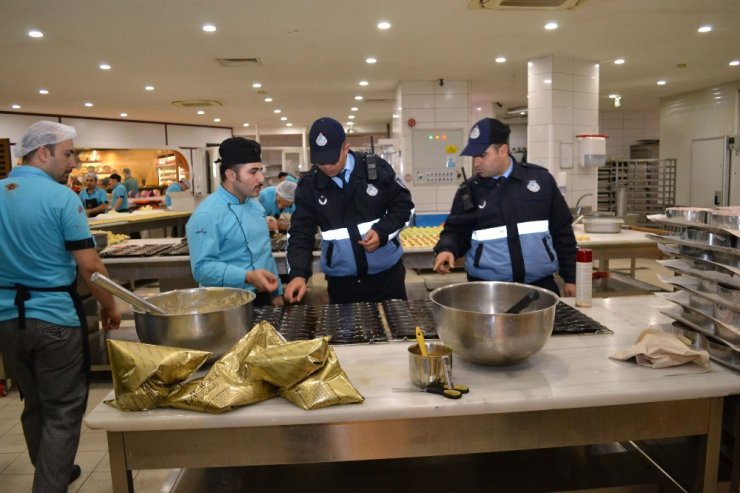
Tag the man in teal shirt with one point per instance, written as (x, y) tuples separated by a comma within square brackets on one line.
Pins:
[(227, 234), (119, 195), (44, 242), (93, 198), (278, 204)]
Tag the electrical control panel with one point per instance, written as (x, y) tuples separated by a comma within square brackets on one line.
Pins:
[(436, 156)]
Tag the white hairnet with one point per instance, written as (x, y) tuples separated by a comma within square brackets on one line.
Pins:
[(286, 190), (43, 133)]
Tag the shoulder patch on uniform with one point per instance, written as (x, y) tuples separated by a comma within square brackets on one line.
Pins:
[(399, 181), (201, 231), (533, 186), (11, 186)]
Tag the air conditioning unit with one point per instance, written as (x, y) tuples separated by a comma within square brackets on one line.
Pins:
[(524, 4)]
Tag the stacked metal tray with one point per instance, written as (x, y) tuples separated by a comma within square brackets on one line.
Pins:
[(707, 251)]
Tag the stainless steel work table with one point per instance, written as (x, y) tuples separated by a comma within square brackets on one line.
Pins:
[(568, 394)]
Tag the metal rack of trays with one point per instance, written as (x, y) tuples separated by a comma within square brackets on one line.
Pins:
[(706, 255)]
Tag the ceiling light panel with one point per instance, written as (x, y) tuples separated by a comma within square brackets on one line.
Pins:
[(35, 34), (384, 25), (209, 28), (551, 26)]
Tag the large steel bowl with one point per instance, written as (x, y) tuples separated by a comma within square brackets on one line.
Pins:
[(470, 319), (208, 319)]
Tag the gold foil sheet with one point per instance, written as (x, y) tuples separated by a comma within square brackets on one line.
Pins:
[(327, 387), (256, 368), (145, 374)]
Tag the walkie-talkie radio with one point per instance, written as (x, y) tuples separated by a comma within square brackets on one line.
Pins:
[(372, 170), (467, 194)]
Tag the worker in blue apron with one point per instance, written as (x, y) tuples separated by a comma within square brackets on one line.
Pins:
[(94, 198), (44, 241)]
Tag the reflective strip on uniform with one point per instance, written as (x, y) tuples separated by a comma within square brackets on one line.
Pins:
[(365, 227), (335, 234), (490, 234), (533, 227)]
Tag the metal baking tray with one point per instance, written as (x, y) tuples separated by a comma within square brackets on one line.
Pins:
[(726, 333), (718, 352), (135, 251)]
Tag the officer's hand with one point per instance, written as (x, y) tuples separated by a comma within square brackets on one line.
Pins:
[(295, 290), (443, 262), (371, 241), (110, 318), (263, 280), (276, 301), (272, 224), (569, 289)]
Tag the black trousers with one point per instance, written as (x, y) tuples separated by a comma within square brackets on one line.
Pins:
[(386, 285), (546, 282)]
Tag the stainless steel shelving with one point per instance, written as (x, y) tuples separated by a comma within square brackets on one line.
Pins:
[(650, 186)]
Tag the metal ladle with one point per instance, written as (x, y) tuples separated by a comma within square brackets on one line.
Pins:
[(117, 290), (524, 302)]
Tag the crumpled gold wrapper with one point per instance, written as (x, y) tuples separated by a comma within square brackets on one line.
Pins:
[(145, 374), (230, 382), (287, 364), (256, 368), (324, 388)]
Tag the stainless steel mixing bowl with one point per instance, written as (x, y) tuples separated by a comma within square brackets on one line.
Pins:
[(470, 319), (208, 319)]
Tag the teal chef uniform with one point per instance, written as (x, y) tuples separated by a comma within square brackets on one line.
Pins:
[(28, 230), (268, 199), (120, 191), (94, 199), (228, 238)]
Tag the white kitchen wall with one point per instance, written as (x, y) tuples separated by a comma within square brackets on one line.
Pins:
[(627, 127), (706, 113)]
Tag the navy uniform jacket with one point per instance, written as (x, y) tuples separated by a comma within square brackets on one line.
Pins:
[(520, 229), (344, 216)]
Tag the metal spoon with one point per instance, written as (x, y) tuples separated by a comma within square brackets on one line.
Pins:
[(117, 290), (524, 302)]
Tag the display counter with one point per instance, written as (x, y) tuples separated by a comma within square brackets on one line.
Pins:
[(139, 220), (568, 394)]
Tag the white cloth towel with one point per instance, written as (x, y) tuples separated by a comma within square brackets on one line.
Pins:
[(658, 349)]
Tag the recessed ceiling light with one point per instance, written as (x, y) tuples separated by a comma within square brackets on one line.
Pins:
[(363, 83), (551, 25), (43, 91), (735, 63), (35, 33), (661, 82), (619, 61), (124, 115), (396, 116), (705, 29), (384, 25), (349, 123), (288, 124), (268, 100), (209, 28), (522, 112), (351, 117), (548, 81), (283, 118), (371, 60), (500, 59), (16, 106), (89, 104), (216, 120), (245, 124), (277, 111), (613, 96), (358, 98), (200, 112), (256, 85), (105, 66), (354, 108), (148, 88)]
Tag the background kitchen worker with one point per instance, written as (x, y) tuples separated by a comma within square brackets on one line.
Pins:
[(179, 186), (119, 195), (278, 204), (93, 198), (132, 186), (360, 208), (284, 175), (44, 242), (227, 233), (516, 225)]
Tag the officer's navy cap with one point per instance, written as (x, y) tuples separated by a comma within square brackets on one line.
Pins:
[(484, 133), (238, 150), (326, 138)]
